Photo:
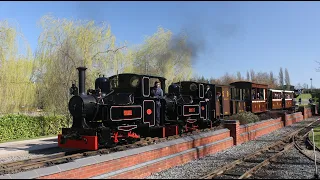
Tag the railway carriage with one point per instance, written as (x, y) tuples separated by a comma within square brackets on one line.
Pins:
[(275, 99), (288, 96), (254, 96), (280, 99)]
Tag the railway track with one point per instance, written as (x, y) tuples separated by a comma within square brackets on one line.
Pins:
[(248, 165), (68, 156), (305, 146)]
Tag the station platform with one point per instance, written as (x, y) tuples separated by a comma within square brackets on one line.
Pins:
[(15, 148)]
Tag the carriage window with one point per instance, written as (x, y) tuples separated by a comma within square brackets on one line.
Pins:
[(253, 93), (245, 94), (288, 95), (257, 94), (234, 93), (276, 95), (260, 94)]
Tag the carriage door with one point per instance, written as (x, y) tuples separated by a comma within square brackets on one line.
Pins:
[(226, 101), (145, 87), (203, 104)]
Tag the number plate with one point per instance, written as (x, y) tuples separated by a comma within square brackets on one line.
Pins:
[(127, 112)]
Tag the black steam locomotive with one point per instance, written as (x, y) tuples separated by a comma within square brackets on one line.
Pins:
[(191, 108), (119, 108), (122, 108)]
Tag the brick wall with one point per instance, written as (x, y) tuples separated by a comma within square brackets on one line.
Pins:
[(307, 112), (244, 133), (138, 162), (293, 118), (143, 161)]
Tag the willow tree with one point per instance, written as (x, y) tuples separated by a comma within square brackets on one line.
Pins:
[(17, 89), (163, 54), (65, 45)]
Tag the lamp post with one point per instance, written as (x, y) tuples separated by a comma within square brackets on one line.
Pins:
[(311, 85)]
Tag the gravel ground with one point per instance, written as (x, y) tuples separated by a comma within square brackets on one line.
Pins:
[(203, 166), (291, 165)]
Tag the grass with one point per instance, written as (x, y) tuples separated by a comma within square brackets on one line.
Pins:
[(304, 96), (24, 139), (316, 136)]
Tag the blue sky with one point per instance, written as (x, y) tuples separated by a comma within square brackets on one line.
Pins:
[(239, 36)]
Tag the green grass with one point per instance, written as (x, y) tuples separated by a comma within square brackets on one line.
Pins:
[(24, 139), (316, 136), (304, 96)]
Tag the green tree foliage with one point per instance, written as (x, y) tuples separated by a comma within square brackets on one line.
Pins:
[(162, 54), (17, 89), (65, 45)]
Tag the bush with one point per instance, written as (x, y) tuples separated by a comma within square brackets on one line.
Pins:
[(245, 117), (22, 126), (270, 115), (265, 116)]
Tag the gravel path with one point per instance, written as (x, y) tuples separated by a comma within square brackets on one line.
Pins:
[(203, 166), (36, 154)]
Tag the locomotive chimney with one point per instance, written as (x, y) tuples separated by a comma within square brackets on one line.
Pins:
[(82, 80)]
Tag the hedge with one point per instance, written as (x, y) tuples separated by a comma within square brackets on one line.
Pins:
[(244, 117), (22, 126)]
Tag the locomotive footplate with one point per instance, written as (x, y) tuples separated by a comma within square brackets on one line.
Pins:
[(88, 139), (158, 131)]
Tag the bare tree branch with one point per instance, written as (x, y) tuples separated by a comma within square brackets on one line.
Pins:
[(109, 50)]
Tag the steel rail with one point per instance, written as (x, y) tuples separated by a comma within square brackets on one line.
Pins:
[(276, 149)]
